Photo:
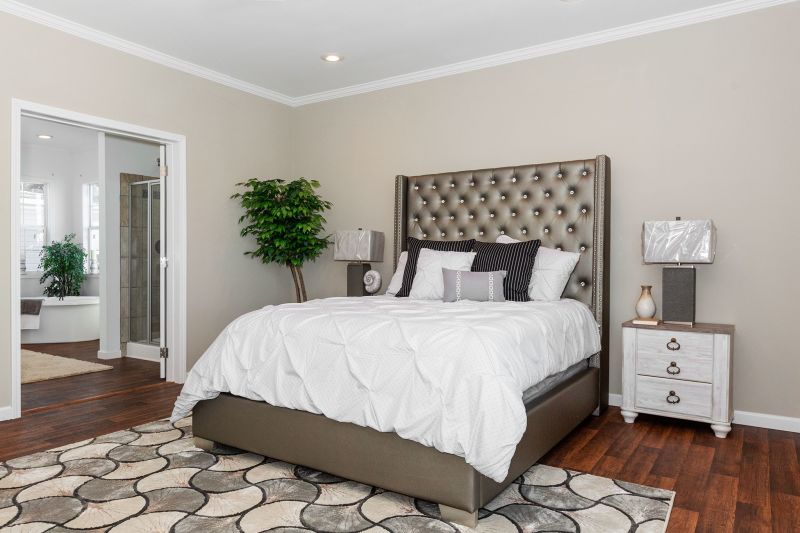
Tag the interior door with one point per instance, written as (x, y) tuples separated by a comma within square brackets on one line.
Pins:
[(163, 261)]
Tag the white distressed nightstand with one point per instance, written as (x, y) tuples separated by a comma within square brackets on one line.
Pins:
[(679, 371)]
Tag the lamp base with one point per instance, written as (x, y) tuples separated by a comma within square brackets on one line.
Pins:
[(355, 278), (678, 286)]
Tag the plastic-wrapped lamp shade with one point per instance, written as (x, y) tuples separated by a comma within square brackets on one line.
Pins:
[(358, 245), (679, 241)]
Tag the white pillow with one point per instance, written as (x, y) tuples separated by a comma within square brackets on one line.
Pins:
[(429, 281), (551, 271), (397, 279)]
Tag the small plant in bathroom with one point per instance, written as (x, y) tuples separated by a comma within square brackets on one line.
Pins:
[(63, 265), (285, 218)]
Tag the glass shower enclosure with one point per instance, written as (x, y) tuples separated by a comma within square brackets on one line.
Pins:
[(144, 233)]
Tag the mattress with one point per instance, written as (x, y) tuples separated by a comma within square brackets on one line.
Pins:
[(446, 375), (551, 382)]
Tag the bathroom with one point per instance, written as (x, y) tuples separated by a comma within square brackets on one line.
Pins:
[(90, 200)]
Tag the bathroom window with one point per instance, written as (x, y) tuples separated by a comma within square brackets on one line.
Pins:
[(91, 226), (33, 221)]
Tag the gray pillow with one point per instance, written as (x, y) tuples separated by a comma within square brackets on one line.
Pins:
[(475, 286)]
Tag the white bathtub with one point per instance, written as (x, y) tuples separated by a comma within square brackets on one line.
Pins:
[(73, 319)]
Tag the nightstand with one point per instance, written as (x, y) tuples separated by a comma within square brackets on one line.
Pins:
[(679, 371)]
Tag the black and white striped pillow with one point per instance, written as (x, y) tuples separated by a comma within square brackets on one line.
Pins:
[(516, 259), (413, 246)]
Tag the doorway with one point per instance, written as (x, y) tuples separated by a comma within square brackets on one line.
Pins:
[(60, 269), (127, 239)]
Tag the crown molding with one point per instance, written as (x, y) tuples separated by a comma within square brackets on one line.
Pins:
[(687, 18), (90, 34)]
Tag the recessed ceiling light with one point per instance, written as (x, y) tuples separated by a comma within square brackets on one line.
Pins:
[(44, 136), (332, 58)]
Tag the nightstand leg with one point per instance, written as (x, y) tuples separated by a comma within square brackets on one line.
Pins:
[(721, 430), (629, 416)]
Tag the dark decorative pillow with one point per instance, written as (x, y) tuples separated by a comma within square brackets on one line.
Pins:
[(516, 259), (413, 246)]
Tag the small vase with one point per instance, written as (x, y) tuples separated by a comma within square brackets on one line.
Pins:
[(646, 306)]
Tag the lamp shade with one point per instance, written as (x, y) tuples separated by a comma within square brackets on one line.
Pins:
[(358, 245), (679, 241)]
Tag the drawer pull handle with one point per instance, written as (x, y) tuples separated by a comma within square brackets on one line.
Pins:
[(673, 369), (673, 345), (673, 398)]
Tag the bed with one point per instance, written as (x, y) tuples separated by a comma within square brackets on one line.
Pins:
[(566, 205)]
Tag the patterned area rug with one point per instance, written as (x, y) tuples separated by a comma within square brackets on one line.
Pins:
[(151, 478), (37, 366)]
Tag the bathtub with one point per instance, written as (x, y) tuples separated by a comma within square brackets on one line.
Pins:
[(73, 319)]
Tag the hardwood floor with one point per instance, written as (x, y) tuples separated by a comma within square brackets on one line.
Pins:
[(747, 482), (128, 374), (48, 428)]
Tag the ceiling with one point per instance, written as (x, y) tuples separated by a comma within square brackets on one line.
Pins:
[(275, 45), (66, 137)]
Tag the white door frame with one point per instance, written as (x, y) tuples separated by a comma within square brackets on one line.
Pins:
[(176, 230)]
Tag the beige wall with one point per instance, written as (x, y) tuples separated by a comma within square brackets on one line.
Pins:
[(230, 136), (699, 122)]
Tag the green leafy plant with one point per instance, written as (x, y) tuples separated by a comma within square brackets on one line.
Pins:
[(62, 263), (285, 218)]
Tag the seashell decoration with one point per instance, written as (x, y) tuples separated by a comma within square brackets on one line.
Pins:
[(372, 281)]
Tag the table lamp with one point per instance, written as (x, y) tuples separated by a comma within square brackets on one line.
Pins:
[(358, 247), (682, 243)]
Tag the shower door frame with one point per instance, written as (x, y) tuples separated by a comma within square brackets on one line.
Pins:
[(149, 283), (176, 226)]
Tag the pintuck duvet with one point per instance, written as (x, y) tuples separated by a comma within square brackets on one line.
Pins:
[(446, 375)]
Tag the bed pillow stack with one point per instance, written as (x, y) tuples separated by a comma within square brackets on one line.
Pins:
[(421, 269)]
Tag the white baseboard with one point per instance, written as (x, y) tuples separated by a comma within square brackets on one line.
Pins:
[(745, 418), (110, 354), (6, 412), (614, 399), (764, 420)]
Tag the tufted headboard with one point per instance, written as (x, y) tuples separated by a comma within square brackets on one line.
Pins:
[(565, 204)]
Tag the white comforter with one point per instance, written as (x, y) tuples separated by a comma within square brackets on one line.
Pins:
[(447, 375)]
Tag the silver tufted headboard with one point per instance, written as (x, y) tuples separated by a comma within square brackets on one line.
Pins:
[(565, 204)]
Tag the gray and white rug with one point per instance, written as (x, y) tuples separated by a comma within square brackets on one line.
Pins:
[(151, 478)]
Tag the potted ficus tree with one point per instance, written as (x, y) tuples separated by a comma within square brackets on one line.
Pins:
[(285, 219), (63, 264)]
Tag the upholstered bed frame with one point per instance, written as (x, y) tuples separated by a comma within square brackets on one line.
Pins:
[(566, 205)]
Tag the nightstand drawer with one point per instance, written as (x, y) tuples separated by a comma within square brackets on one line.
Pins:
[(687, 366), (673, 396), (674, 342)]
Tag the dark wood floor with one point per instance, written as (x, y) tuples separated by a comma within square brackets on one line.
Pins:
[(48, 428), (747, 482), (128, 374)]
